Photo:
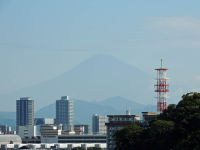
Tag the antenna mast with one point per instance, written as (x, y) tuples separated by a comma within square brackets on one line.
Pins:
[(161, 88)]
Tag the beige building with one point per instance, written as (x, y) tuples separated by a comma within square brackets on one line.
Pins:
[(149, 116), (116, 122), (49, 133), (82, 129)]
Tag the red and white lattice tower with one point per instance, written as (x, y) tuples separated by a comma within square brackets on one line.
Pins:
[(161, 88)]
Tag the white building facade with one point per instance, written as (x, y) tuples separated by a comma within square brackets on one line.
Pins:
[(98, 124), (49, 133), (27, 131), (117, 122), (64, 113)]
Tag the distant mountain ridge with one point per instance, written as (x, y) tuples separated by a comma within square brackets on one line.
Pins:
[(95, 79), (8, 118), (84, 110), (121, 103)]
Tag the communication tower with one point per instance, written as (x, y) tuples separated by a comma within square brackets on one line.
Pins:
[(161, 88)]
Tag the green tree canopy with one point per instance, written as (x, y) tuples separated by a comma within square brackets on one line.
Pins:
[(78, 148), (126, 137), (94, 148), (178, 127)]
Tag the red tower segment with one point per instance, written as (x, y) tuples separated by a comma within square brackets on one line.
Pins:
[(161, 88)]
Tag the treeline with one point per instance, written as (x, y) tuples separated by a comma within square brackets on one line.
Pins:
[(177, 128), (89, 148)]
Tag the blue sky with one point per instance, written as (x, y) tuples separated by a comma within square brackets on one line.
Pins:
[(41, 39)]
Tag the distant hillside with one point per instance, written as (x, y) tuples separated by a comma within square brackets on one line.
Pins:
[(97, 78), (8, 118), (83, 110), (121, 104)]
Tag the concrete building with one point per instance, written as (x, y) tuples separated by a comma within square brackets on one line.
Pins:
[(98, 124), (149, 116), (32, 140), (24, 112), (27, 131), (64, 113), (98, 139), (82, 129), (66, 142), (43, 121), (79, 130), (87, 129), (4, 129), (52, 146), (49, 133), (10, 139), (116, 122)]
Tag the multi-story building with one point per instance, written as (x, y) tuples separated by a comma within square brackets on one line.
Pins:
[(43, 121), (87, 129), (98, 139), (28, 131), (149, 116), (9, 139), (98, 124), (24, 112), (116, 122), (83, 129), (49, 133), (4, 129), (64, 113), (79, 130), (53, 146)]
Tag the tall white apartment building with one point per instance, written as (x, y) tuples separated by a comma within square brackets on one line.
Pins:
[(64, 113), (98, 124), (24, 112)]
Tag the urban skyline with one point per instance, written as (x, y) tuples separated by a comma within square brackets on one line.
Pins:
[(137, 33), (105, 55)]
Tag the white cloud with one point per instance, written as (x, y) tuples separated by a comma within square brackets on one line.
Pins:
[(183, 24), (173, 32)]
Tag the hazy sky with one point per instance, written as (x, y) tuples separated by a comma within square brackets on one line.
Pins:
[(41, 39)]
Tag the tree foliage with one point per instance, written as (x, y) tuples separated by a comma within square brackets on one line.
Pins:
[(89, 148), (78, 148), (126, 137), (94, 148), (178, 127)]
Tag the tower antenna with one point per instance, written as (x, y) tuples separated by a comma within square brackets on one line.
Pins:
[(161, 88)]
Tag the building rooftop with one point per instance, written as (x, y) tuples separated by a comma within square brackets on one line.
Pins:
[(149, 113), (25, 98), (10, 138), (65, 98), (128, 116)]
